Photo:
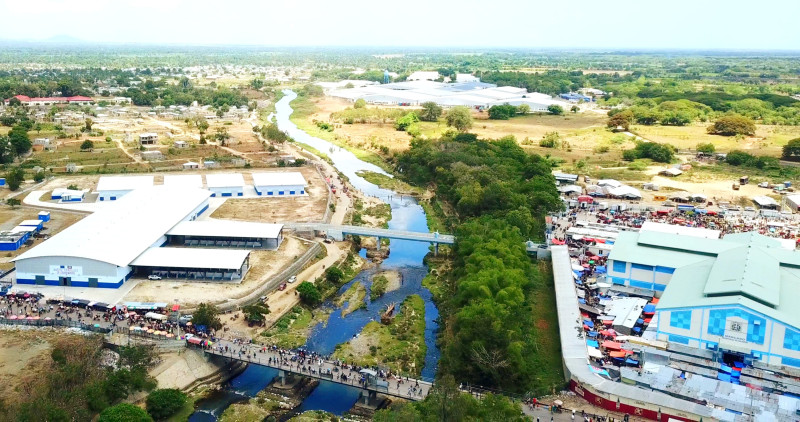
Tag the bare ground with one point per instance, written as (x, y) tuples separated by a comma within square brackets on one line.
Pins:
[(23, 354)]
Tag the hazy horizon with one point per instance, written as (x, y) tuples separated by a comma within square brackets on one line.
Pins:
[(681, 25)]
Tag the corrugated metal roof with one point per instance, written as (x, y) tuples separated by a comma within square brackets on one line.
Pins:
[(223, 259), (289, 178), (123, 229), (226, 228)]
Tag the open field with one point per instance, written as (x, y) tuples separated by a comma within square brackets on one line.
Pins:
[(768, 139), (300, 209), (263, 264)]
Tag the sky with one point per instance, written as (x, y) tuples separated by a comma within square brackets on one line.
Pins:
[(583, 24)]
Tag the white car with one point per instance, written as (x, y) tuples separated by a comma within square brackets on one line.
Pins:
[(749, 209), (292, 279), (154, 277)]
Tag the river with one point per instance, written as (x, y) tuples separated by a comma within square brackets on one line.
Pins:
[(405, 257)]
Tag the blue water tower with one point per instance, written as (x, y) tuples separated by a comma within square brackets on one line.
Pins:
[(386, 76)]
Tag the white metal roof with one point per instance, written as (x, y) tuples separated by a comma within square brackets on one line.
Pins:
[(184, 181), (31, 223), (146, 134), (682, 230), (123, 229), (124, 182), (290, 178), (226, 228), (224, 180), (222, 259)]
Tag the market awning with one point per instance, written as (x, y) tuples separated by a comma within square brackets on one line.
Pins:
[(612, 345)]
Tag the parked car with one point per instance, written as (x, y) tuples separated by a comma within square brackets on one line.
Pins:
[(292, 279), (154, 277), (282, 286), (750, 209), (763, 185)]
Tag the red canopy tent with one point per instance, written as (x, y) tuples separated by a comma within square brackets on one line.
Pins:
[(612, 345), (586, 198)]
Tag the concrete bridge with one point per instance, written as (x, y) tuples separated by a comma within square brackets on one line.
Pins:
[(323, 370), (338, 232)]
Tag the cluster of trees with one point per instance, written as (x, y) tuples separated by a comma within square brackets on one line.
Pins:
[(791, 151), (446, 403), (207, 315), (661, 153), (273, 133), (552, 82), (501, 194), (672, 113), (152, 93), (16, 142), (744, 159), (75, 386), (309, 293)]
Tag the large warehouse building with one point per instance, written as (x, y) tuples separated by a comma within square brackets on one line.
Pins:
[(128, 237), (111, 188), (734, 296), (280, 184)]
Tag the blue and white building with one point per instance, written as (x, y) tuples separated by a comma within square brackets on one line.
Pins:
[(281, 184), (225, 184), (111, 188), (735, 296)]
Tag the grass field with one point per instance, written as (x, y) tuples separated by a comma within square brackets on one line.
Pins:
[(291, 330)]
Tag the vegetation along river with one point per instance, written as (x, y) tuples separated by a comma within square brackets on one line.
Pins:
[(406, 258)]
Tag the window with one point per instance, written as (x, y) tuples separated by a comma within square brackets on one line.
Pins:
[(269, 193), (620, 266), (642, 267), (291, 192), (302, 192), (280, 192)]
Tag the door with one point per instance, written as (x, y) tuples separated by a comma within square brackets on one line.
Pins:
[(92, 282), (65, 281)]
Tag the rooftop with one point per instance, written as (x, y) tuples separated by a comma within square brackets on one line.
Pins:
[(223, 180), (222, 259), (123, 229), (292, 178), (124, 182), (226, 228)]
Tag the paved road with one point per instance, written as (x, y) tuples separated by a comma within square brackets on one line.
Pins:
[(317, 367)]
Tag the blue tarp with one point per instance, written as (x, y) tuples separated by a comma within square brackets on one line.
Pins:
[(592, 343), (588, 323), (600, 269), (640, 321), (630, 361), (724, 377), (637, 330), (649, 308), (592, 334), (725, 368), (582, 301)]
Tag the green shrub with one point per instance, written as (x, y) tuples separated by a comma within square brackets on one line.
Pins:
[(165, 402)]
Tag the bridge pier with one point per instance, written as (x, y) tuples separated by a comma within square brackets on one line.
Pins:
[(282, 377), (379, 243), (436, 249)]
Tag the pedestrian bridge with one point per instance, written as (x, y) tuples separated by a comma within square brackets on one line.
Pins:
[(338, 233), (366, 380)]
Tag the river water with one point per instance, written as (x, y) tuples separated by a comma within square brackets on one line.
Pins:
[(405, 257)]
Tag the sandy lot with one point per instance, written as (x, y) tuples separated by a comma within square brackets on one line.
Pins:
[(272, 210), (22, 355), (263, 264), (10, 218)]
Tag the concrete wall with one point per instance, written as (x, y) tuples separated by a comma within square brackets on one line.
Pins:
[(104, 274), (280, 191), (111, 195), (227, 191)]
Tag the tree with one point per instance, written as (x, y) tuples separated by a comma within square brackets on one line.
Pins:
[(39, 176), (222, 135), (89, 123), (309, 293), (20, 142), (255, 313), (13, 202), (14, 102), (708, 148), (334, 275), (124, 412), (550, 140), (165, 402), (555, 109), (14, 178), (502, 112), (430, 112), (622, 119), (523, 109), (207, 315), (575, 109), (460, 118), (791, 149), (87, 145), (404, 122), (732, 125), (360, 103), (202, 125)]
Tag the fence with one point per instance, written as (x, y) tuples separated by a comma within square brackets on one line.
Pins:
[(55, 323), (269, 285)]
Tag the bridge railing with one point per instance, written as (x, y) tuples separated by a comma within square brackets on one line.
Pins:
[(55, 323)]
